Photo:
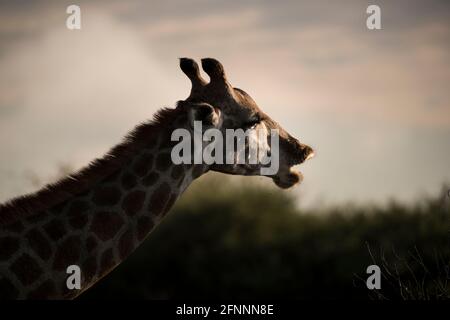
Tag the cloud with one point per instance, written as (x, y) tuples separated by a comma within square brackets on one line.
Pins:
[(192, 27), (69, 96), (375, 104)]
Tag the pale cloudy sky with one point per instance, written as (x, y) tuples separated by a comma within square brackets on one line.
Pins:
[(374, 104)]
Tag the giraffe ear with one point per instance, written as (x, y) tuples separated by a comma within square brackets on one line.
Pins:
[(206, 114)]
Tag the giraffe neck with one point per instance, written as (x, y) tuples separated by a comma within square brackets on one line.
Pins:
[(95, 230)]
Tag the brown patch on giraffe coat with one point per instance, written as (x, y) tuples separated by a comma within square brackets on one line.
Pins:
[(163, 161), (7, 290), (77, 207), (89, 268), (165, 141), (106, 196), (144, 226), (152, 142), (170, 202), (77, 214), (177, 172), (39, 244), (67, 253), (26, 269), (91, 244), (159, 198), (107, 261), (45, 291), (126, 244), (55, 229), (8, 245), (16, 227), (57, 209), (133, 202), (112, 177), (128, 181), (35, 218), (143, 164), (79, 221), (106, 224), (150, 179)]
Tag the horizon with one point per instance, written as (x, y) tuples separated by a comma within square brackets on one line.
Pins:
[(373, 104)]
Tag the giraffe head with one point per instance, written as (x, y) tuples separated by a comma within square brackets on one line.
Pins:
[(217, 104)]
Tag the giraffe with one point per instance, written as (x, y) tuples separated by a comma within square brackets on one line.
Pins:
[(96, 217)]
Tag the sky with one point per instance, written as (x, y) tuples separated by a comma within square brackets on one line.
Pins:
[(374, 104)]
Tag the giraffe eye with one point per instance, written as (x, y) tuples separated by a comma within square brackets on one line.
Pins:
[(252, 123)]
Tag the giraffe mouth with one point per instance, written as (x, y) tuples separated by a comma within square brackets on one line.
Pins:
[(292, 176), (288, 179)]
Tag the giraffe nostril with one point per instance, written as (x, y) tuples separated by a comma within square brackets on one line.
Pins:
[(306, 152)]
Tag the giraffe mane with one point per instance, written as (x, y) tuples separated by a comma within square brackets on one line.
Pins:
[(56, 193)]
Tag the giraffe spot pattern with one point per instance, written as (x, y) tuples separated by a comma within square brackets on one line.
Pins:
[(55, 229), (163, 161), (106, 196), (91, 244), (105, 224), (8, 245), (37, 217), (128, 181), (44, 291), (112, 177), (159, 198), (161, 201), (39, 244), (77, 214), (144, 226), (152, 142), (67, 253), (89, 268), (126, 244), (56, 210), (26, 269), (150, 179), (177, 172), (165, 140), (78, 221), (107, 260), (143, 164), (133, 202), (170, 203), (16, 227), (77, 207)]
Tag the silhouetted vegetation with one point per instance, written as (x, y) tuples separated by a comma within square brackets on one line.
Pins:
[(225, 239)]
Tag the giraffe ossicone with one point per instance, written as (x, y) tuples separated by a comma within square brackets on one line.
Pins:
[(96, 217)]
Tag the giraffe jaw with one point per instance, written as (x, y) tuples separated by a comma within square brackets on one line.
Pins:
[(288, 179), (292, 176)]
